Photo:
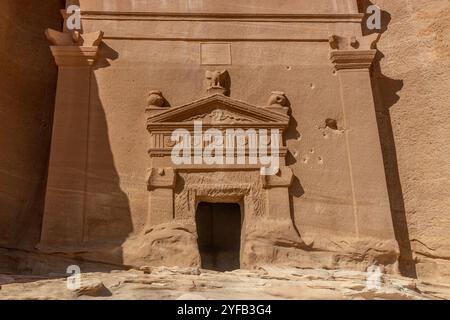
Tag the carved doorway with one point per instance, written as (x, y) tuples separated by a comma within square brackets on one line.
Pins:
[(219, 235)]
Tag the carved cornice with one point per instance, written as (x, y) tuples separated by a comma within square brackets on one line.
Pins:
[(74, 56), (216, 111), (182, 117), (74, 49), (185, 26), (349, 53), (92, 39), (245, 17), (358, 59)]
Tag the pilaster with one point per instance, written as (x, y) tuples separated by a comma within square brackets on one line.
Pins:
[(352, 58), (277, 187), (64, 213), (161, 184)]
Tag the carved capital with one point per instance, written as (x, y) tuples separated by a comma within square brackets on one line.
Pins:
[(73, 48), (74, 56), (283, 178), (357, 59), (74, 38), (352, 52), (161, 178)]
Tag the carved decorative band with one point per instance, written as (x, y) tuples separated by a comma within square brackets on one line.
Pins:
[(253, 17), (356, 59), (66, 56), (167, 152)]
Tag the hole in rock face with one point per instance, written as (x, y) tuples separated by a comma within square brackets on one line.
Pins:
[(219, 235), (332, 124)]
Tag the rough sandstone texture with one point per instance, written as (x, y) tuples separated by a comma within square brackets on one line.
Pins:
[(268, 282), (411, 98), (27, 91), (413, 117)]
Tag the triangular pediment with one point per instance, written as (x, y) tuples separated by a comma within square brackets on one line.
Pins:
[(221, 110)]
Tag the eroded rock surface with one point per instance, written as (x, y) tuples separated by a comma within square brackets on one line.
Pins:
[(413, 119), (193, 284)]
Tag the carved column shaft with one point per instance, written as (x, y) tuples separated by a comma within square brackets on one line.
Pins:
[(352, 59), (64, 213)]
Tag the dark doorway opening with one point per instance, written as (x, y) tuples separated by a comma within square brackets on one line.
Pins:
[(219, 235)]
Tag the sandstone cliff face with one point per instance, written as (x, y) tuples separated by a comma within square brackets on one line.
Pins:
[(412, 81), (27, 90)]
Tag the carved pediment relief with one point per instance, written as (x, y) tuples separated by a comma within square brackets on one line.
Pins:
[(219, 110), (220, 115)]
